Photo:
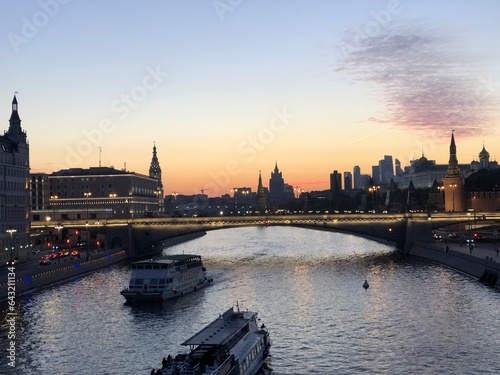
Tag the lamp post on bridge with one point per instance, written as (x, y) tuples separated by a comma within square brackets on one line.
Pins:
[(11, 232), (87, 194), (234, 190), (453, 186)]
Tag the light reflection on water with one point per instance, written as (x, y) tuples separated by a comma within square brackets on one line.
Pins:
[(416, 317)]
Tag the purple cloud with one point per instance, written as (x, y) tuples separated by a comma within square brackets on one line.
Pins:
[(423, 83)]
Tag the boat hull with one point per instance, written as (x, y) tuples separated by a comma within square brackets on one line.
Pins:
[(158, 296)]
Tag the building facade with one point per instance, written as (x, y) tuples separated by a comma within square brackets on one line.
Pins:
[(99, 193), (14, 190)]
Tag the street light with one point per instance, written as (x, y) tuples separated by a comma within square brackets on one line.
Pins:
[(112, 197), (11, 232), (373, 189), (453, 186), (59, 227), (234, 190), (53, 197), (87, 194)]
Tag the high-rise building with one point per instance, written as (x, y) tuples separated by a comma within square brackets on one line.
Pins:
[(399, 170), (155, 172), (14, 190), (376, 174), (357, 177), (335, 188), (453, 182), (347, 181), (277, 186), (386, 170)]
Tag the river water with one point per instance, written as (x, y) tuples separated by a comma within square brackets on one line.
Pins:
[(415, 318)]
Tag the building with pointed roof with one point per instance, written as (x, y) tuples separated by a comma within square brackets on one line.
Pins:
[(155, 172), (277, 186), (260, 205), (14, 189), (453, 182)]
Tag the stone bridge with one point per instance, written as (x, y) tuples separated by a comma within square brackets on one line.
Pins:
[(142, 237)]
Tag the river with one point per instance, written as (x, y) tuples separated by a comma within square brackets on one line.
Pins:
[(415, 318)]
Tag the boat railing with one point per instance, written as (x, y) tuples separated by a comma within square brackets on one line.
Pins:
[(225, 368)]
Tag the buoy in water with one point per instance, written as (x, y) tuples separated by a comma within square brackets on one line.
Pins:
[(366, 285)]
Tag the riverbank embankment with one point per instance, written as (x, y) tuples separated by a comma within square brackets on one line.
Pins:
[(481, 262), (21, 279)]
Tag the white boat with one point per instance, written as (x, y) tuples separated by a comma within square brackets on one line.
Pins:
[(166, 277), (232, 344)]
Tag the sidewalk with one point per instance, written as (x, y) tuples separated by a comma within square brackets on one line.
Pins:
[(482, 262)]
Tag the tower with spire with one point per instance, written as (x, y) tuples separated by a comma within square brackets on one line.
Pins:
[(453, 183), (155, 172), (261, 197), (14, 195), (277, 186)]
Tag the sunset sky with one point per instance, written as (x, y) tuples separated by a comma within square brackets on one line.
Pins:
[(226, 88)]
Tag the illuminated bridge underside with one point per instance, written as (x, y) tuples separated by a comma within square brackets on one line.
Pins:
[(140, 237)]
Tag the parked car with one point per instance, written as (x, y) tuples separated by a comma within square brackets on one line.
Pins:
[(479, 237), (437, 236), (453, 235), (75, 253)]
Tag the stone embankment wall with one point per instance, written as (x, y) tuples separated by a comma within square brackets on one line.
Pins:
[(486, 270), (40, 278)]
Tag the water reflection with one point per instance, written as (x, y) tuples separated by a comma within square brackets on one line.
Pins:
[(416, 317)]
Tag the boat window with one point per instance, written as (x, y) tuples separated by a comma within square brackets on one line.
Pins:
[(153, 281), (161, 281), (163, 266), (138, 281), (156, 266), (147, 267)]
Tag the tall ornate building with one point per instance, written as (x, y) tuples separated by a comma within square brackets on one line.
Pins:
[(453, 182), (14, 189), (277, 186), (155, 172), (261, 197)]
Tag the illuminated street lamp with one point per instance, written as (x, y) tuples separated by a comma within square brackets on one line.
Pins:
[(53, 197), (87, 194), (112, 197), (59, 227), (453, 186), (11, 232), (373, 189), (234, 190)]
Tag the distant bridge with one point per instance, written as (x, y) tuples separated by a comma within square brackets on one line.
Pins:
[(140, 237)]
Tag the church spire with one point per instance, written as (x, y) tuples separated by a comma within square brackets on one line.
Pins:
[(154, 169), (261, 197), (15, 131), (453, 161)]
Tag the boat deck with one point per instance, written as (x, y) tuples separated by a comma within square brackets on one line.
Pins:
[(227, 328)]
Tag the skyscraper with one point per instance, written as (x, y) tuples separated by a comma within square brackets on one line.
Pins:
[(347, 181), (277, 186), (386, 170), (335, 188), (357, 177), (376, 174)]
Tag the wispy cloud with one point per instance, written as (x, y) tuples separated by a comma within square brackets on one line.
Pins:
[(423, 81)]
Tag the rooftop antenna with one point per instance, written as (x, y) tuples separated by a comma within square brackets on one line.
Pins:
[(99, 157)]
